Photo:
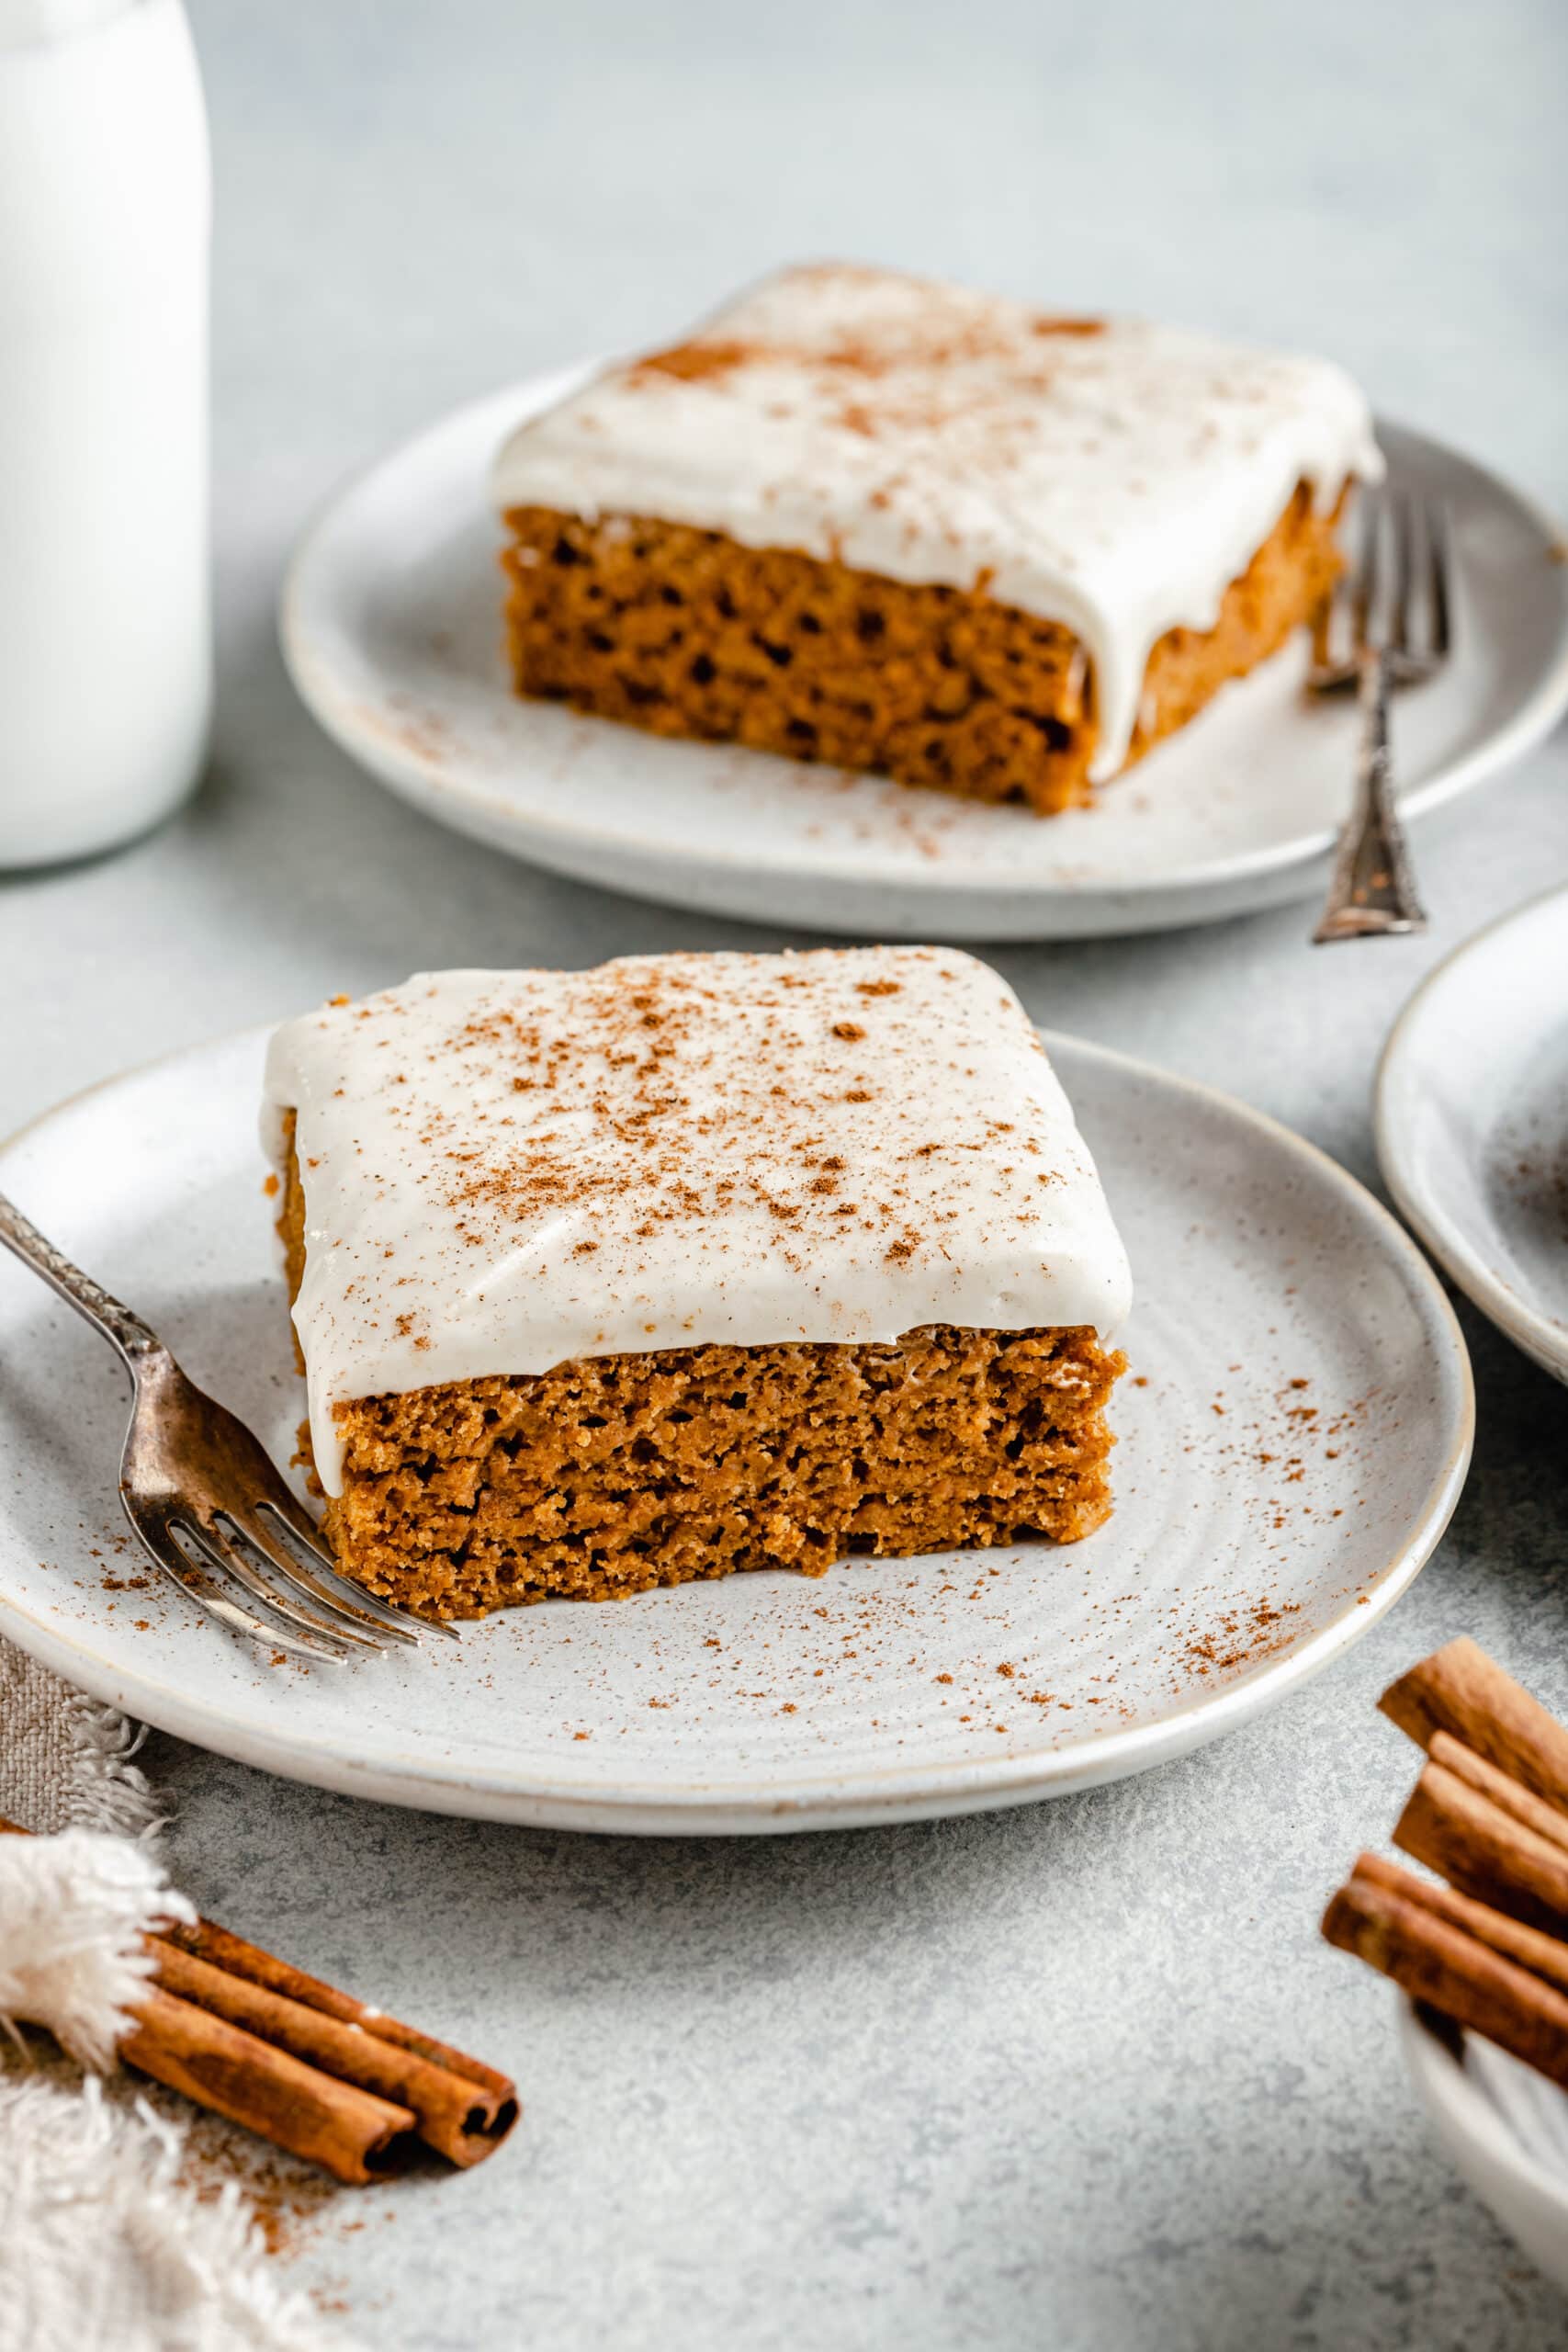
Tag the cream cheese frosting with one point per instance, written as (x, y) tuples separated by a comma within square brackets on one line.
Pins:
[(506, 1171), (1108, 474)]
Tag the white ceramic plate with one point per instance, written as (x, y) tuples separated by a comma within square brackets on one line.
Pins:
[(1292, 1442), (392, 628), (1473, 1122), (1505, 2128)]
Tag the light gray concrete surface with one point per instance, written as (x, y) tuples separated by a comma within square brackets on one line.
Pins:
[(1075, 2076)]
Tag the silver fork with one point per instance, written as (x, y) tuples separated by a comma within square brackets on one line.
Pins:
[(1386, 625), (204, 1498)]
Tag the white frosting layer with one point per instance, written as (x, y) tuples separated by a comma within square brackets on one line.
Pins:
[(1116, 480), (504, 1170)]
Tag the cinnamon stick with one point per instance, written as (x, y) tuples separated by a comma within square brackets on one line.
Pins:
[(1439, 1962), (1532, 1810), (219, 1945), (314, 2070), (1543, 1955), (350, 2132), (1459, 1690), (451, 2113), (1484, 1851)]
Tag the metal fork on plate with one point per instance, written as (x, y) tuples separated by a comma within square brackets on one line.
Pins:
[(1387, 625), (204, 1500)]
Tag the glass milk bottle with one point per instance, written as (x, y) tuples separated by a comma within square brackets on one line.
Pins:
[(104, 610)]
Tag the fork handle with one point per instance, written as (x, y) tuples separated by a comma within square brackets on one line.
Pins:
[(133, 1337), (1372, 892)]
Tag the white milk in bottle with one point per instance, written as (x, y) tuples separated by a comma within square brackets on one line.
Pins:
[(104, 613)]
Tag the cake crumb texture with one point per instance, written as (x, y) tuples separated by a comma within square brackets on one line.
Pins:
[(608, 1477), (684, 632)]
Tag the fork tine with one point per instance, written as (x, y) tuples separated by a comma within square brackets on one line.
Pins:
[(218, 1550), (378, 1622), (320, 1570), (1332, 646), (1402, 515), (1364, 588), (1439, 575), (165, 1553)]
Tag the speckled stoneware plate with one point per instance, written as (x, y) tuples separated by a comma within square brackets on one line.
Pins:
[(1294, 1433), (1473, 1122), (392, 628), (1504, 2127)]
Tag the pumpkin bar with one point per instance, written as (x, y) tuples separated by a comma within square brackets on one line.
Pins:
[(863, 518), (619, 1278)]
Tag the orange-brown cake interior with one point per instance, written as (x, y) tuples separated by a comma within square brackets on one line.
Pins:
[(685, 632)]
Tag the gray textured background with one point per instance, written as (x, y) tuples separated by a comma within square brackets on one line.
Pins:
[(1077, 2077)]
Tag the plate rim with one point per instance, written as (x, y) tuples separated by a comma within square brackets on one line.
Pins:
[(425, 786), (1545, 1342), (831, 1800)]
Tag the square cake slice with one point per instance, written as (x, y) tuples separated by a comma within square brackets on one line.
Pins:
[(688, 1263), (862, 519)]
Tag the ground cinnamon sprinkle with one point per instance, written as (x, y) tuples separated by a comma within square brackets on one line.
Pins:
[(696, 362), (919, 350), (657, 1035), (292, 2202), (1238, 1637)]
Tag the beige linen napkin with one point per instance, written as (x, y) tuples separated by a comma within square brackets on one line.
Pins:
[(64, 1760), (102, 2249)]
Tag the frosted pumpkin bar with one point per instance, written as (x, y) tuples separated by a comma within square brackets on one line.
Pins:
[(863, 518), (688, 1263)]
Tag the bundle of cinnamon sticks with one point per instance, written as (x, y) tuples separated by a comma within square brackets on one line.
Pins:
[(311, 2069), (1489, 1814)]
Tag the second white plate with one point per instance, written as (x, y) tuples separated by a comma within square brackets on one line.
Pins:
[(392, 628), (1293, 1435), (1473, 1122)]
